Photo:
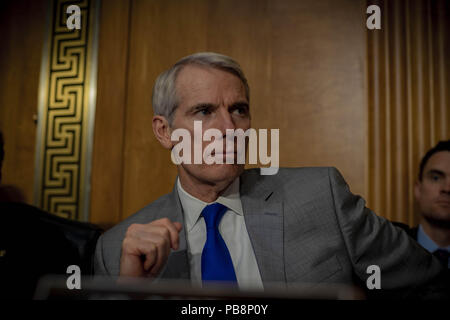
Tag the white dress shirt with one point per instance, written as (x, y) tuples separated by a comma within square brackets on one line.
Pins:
[(234, 233)]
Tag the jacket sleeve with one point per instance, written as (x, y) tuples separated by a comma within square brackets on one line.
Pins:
[(372, 240), (99, 264)]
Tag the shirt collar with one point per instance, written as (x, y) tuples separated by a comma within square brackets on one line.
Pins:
[(193, 207), (425, 241)]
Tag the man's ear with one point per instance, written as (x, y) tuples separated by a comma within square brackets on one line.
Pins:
[(162, 131)]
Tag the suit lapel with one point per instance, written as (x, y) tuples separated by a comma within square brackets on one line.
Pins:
[(263, 215), (177, 266)]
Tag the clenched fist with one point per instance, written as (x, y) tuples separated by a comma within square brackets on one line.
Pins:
[(146, 247)]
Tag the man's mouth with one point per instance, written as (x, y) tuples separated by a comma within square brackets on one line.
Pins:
[(443, 202), (223, 153)]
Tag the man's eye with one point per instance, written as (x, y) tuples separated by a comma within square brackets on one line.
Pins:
[(204, 111), (240, 110), (435, 178)]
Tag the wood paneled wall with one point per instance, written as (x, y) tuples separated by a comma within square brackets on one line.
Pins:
[(368, 102), (305, 62), (408, 99), (22, 25), (109, 133)]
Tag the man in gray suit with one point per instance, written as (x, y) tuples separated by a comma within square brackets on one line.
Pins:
[(301, 225)]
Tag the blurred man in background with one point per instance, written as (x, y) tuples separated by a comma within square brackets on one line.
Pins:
[(432, 193)]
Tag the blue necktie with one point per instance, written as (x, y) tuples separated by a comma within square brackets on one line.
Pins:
[(216, 260)]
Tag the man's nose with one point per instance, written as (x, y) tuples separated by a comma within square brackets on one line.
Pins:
[(224, 121), (446, 187)]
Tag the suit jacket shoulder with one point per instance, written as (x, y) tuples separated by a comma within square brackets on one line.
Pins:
[(325, 233), (286, 181), (412, 232)]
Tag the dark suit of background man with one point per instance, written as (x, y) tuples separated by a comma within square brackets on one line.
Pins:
[(302, 225), (34, 243), (432, 194)]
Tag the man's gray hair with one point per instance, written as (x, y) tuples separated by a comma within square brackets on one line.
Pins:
[(164, 97)]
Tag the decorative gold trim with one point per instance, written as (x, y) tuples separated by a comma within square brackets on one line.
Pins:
[(66, 112)]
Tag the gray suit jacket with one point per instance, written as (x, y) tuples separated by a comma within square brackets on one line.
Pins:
[(305, 226)]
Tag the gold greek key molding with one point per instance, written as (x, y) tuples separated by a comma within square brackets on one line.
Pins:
[(66, 111)]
